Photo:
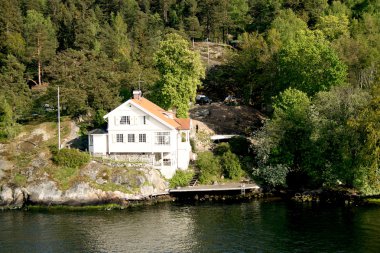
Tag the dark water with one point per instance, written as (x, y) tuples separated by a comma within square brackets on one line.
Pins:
[(247, 227)]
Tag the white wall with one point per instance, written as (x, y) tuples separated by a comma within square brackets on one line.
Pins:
[(107, 143), (99, 144), (130, 110), (135, 147), (137, 127)]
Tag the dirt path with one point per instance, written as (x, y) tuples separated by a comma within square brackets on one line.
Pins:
[(74, 130)]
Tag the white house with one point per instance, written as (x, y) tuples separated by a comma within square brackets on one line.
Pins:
[(140, 130)]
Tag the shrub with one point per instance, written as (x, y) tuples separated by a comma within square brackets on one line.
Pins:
[(181, 178), (240, 145), (209, 167), (222, 148), (273, 175), (8, 127), (72, 158), (193, 146), (99, 121), (231, 165)]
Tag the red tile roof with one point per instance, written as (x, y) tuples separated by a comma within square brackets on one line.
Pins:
[(168, 117)]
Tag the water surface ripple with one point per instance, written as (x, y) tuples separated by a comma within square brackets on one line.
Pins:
[(248, 227)]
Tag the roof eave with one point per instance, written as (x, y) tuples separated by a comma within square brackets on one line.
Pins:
[(153, 115)]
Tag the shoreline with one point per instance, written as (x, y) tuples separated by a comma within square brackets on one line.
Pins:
[(325, 197)]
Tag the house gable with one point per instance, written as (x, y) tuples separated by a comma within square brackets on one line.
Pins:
[(140, 127), (131, 116), (143, 107)]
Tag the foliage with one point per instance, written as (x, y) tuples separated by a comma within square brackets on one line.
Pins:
[(333, 26), (285, 138), (98, 118), (317, 138), (97, 52), (335, 144), (288, 24), (368, 124), (180, 70), (86, 80), (193, 145), (222, 148), (40, 39), (309, 64), (231, 165), (64, 176), (181, 178), (71, 158), (14, 87), (273, 175), (209, 166), (240, 145), (7, 124), (20, 180)]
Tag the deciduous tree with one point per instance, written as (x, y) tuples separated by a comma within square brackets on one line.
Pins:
[(180, 71)]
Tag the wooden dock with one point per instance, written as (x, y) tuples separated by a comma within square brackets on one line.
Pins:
[(228, 187)]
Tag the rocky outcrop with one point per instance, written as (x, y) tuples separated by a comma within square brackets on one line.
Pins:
[(47, 192), (36, 180), (11, 197)]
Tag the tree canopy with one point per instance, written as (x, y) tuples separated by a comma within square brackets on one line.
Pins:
[(180, 71), (312, 67)]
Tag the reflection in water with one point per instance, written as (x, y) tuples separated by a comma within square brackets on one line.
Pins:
[(247, 227)]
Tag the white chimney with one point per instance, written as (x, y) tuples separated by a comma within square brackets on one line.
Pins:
[(137, 94)]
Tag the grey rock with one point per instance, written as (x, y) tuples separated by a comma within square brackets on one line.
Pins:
[(5, 165), (100, 181), (147, 190), (84, 193), (91, 170), (45, 192), (6, 195), (2, 174), (140, 180), (119, 179), (18, 198)]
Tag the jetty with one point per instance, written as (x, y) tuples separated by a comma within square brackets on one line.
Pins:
[(216, 192)]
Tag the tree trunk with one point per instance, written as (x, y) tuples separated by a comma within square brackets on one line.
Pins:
[(39, 72), (39, 60)]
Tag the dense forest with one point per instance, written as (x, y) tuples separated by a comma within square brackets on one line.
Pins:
[(311, 65)]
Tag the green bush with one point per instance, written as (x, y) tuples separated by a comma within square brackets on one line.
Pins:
[(209, 166), (72, 158), (8, 127), (273, 175), (181, 178), (222, 148), (193, 146), (240, 145), (99, 121), (231, 165)]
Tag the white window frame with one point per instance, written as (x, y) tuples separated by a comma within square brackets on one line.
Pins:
[(142, 137), (131, 137), (123, 120), (162, 138), (119, 138), (91, 141)]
